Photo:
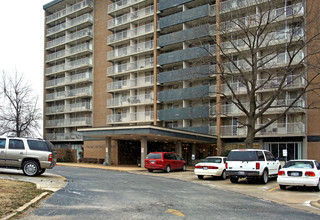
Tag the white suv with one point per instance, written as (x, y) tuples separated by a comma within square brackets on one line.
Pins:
[(251, 163), (31, 155)]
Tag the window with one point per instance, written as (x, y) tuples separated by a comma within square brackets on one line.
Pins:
[(269, 156), (38, 145), (260, 156), (2, 143), (15, 144)]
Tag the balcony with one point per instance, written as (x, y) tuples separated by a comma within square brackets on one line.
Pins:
[(83, 62), (134, 66), (130, 50), (232, 5), (130, 17), (237, 87), (186, 54), (200, 129), (69, 10), (130, 100), (75, 107), (122, 4), (196, 72), (63, 137), (188, 15), (130, 83), (184, 113), (86, 18), (82, 77), (130, 117), (71, 51), (166, 4), (185, 93), (69, 122), (291, 81), (128, 34), (85, 91)]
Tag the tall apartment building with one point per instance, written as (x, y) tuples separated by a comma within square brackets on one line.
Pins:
[(134, 76)]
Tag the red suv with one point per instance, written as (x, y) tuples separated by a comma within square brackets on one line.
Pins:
[(166, 161)]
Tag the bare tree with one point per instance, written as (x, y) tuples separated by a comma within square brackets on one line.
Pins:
[(19, 114), (272, 48)]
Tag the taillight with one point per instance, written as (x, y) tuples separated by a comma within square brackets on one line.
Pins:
[(50, 158), (212, 167), (198, 167), (257, 166), (310, 173), (226, 165), (281, 173)]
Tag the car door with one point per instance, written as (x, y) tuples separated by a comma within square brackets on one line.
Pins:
[(179, 162), (272, 163), (15, 152), (2, 151)]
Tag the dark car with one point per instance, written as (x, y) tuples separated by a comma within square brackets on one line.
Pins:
[(166, 161)]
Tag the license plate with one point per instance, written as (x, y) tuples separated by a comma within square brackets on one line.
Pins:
[(240, 173), (152, 162), (204, 168), (294, 174)]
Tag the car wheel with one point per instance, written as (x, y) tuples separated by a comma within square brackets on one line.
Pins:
[(264, 177), (234, 179), (283, 187), (30, 168), (184, 167), (168, 169), (200, 177), (317, 188), (41, 171), (150, 170), (223, 175)]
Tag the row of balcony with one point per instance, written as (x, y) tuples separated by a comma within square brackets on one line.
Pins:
[(79, 106), (69, 10), (130, 50), (146, 116), (130, 66), (130, 100), (68, 24), (69, 122), (85, 91), (84, 33), (130, 83), (81, 77), (63, 136), (122, 4), (127, 34), (130, 17), (86, 61), (68, 52), (294, 128)]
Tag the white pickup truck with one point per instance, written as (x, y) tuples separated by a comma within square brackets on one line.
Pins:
[(251, 163)]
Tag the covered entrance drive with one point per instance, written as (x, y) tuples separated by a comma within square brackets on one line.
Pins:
[(117, 141)]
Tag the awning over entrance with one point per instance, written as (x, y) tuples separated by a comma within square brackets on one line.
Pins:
[(152, 133)]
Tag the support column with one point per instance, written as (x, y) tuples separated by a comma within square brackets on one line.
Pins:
[(144, 150), (193, 153), (107, 159), (179, 148)]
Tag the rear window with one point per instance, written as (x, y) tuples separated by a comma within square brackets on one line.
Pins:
[(154, 156), (299, 164), (38, 145), (243, 156), (212, 160)]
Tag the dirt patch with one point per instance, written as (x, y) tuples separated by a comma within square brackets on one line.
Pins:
[(14, 194)]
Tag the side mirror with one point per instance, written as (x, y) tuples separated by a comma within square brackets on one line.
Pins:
[(277, 158)]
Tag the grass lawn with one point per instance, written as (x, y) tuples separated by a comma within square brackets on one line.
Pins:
[(14, 194)]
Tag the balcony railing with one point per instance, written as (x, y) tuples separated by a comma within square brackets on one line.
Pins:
[(69, 65), (63, 136), (81, 121), (127, 34), (127, 51), (134, 66), (130, 83), (237, 87), (72, 50), (237, 4), (70, 79), (69, 10), (130, 117), (76, 21), (85, 91), (290, 81), (80, 106), (130, 17), (122, 4), (130, 100)]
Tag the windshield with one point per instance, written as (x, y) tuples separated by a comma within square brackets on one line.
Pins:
[(299, 164), (242, 156), (154, 156), (211, 160)]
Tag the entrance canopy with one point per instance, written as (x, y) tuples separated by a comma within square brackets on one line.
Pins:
[(152, 133)]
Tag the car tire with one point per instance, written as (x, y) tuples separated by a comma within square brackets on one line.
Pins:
[(283, 187), (265, 177), (184, 168), (150, 170), (30, 168), (200, 177), (223, 175), (234, 179), (168, 169), (317, 188), (41, 171)]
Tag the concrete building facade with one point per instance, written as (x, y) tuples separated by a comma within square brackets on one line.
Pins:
[(123, 78)]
